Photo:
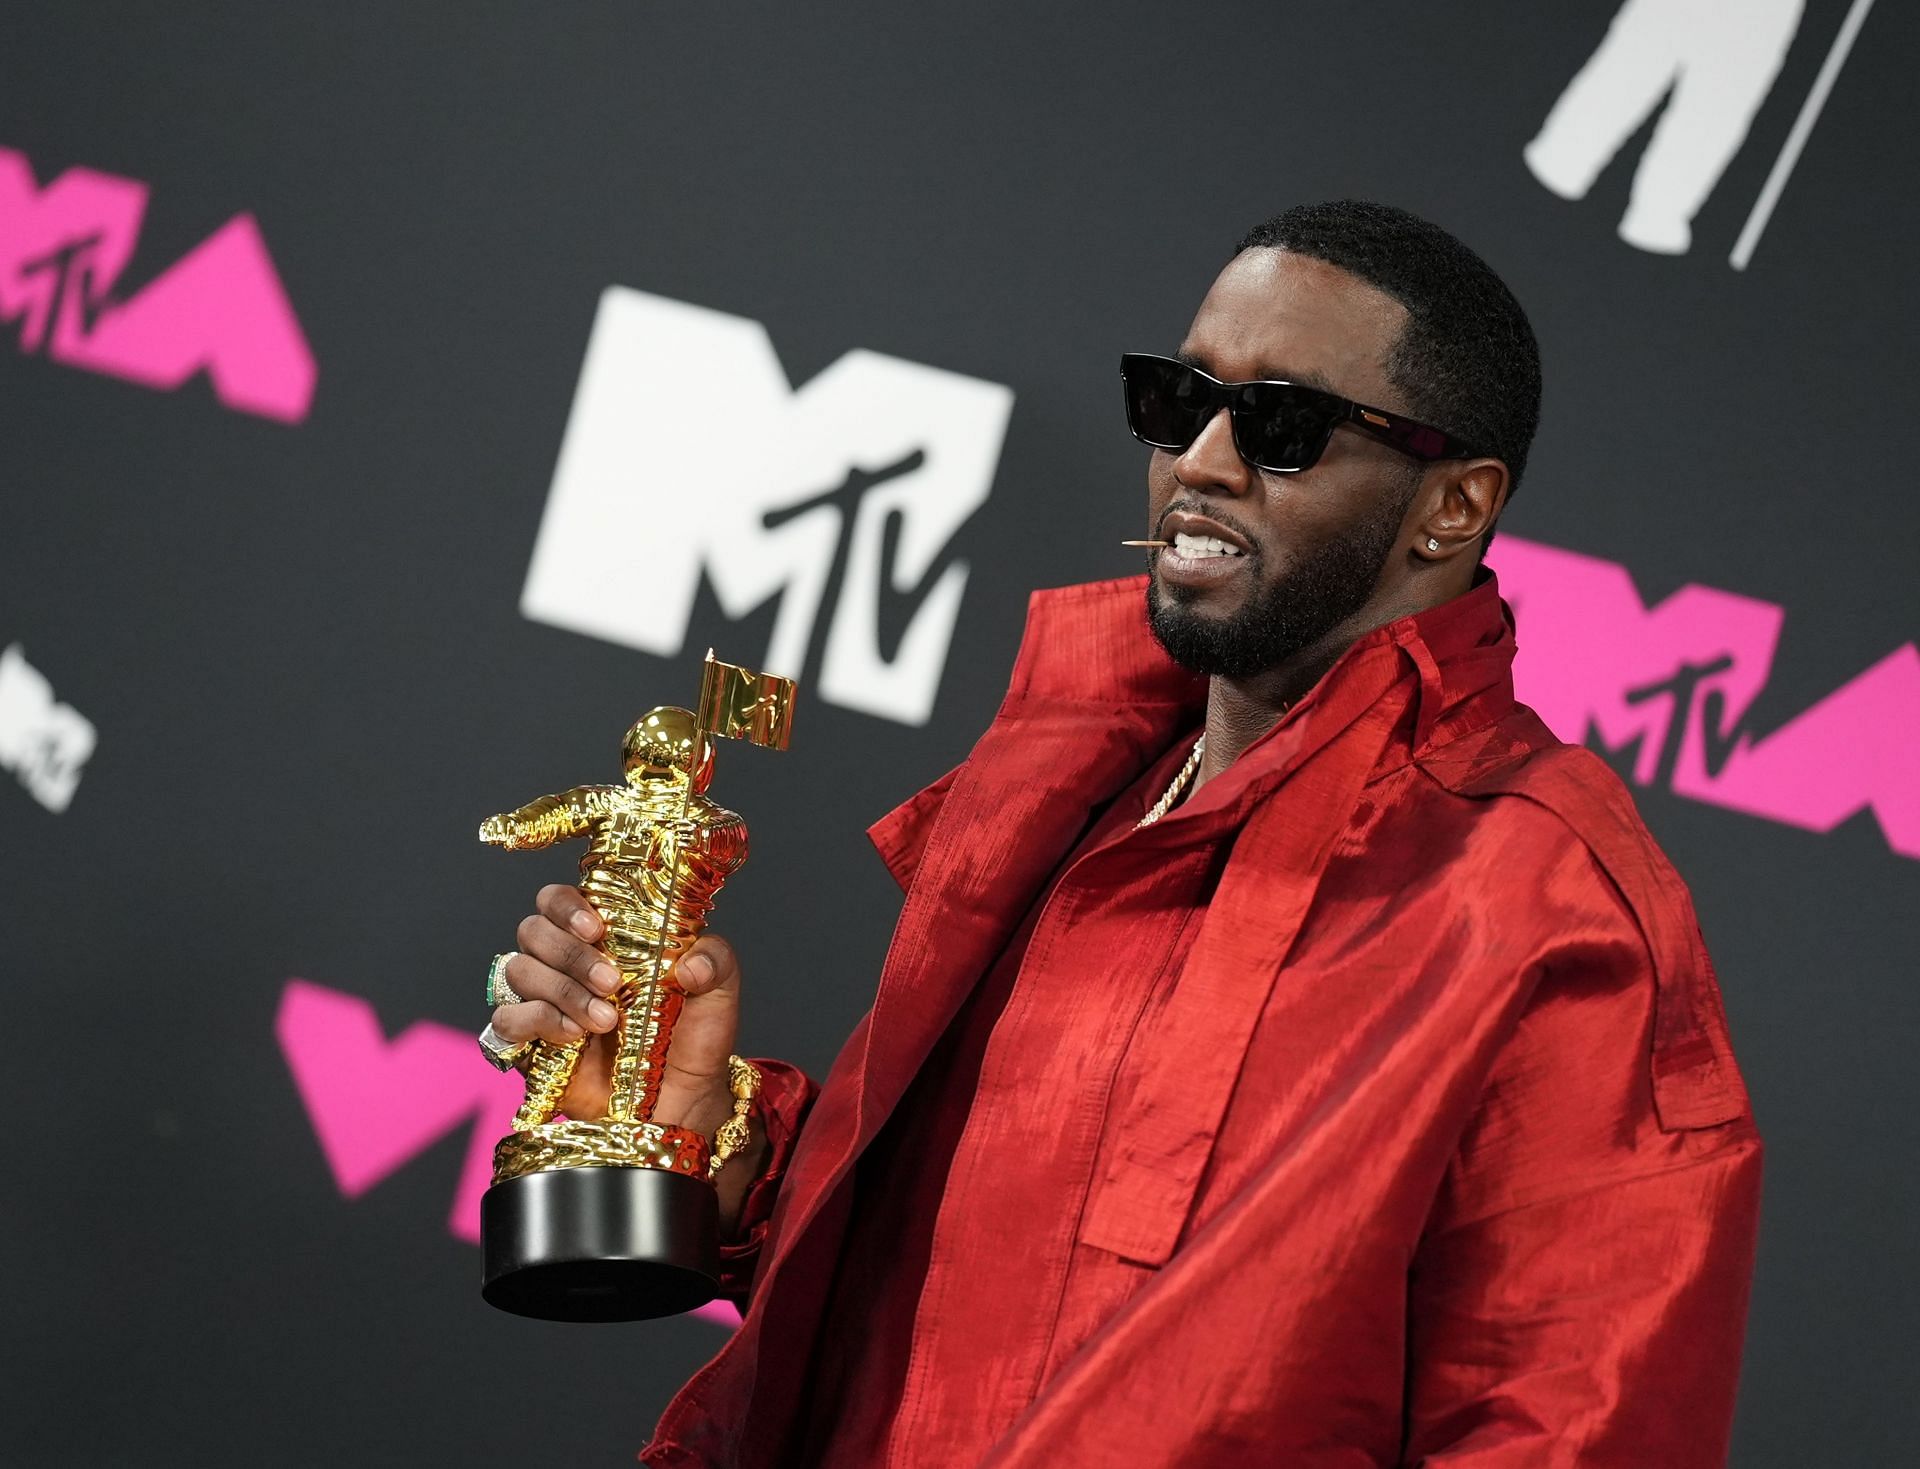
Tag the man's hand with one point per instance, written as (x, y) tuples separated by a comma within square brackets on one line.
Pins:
[(564, 980)]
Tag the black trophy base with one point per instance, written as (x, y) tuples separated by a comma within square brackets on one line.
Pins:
[(600, 1244)]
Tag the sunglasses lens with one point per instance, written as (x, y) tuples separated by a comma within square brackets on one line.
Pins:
[(1167, 403), (1279, 426)]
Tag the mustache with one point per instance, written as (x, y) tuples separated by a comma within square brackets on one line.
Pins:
[(1221, 517)]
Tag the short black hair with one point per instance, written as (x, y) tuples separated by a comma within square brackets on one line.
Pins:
[(1467, 360)]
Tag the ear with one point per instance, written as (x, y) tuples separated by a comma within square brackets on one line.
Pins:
[(1463, 498)]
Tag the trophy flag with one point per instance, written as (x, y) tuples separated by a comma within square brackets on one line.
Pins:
[(740, 704)]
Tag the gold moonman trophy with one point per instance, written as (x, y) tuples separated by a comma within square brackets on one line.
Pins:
[(615, 1218)]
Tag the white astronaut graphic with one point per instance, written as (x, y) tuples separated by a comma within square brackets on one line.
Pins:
[(1718, 59)]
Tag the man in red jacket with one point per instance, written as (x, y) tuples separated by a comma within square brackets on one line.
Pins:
[(1289, 1052)]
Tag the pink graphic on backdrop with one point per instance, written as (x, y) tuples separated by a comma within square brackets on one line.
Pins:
[(1680, 677), (220, 309), (376, 1104)]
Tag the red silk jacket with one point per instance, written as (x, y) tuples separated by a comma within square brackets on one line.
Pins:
[(1429, 1146)]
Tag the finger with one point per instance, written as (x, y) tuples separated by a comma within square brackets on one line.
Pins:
[(533, 980), (571, 956), (695, 1080), (708, 966), (567, 908), (534, 1020)]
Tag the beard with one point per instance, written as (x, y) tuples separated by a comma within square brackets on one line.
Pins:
[(1283, 618)]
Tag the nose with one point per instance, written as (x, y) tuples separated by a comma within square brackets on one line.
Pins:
[(1211, 463)]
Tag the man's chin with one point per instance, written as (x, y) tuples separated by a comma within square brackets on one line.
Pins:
[(1235, 622), (1197, 627)]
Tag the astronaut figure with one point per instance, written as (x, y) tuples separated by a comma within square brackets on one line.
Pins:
[(658, 851)]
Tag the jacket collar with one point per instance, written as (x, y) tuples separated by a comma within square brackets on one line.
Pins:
[(1088, 655), (1091, 644)]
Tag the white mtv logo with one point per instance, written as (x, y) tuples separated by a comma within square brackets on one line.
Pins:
[(42, 741), (688, 455)]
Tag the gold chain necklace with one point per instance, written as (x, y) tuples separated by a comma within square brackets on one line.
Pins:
[(1165, 804)]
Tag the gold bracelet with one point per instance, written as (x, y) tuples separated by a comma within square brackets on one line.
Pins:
[(743, 1080)]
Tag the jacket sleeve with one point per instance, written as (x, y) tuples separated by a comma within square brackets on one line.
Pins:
[(1579, 1298), (786, 1096)]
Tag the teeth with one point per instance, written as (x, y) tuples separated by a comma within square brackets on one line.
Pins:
[(1196, 546)]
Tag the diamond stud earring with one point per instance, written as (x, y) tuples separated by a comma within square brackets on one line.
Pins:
[(1432, 544)]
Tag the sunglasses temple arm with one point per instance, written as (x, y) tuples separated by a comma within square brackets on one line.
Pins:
[(1416, 439)]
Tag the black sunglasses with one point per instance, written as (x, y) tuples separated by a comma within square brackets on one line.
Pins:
[(1279, 426)]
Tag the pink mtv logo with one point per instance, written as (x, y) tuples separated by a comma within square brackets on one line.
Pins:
[(218, 310), (1679, 679), (376, 1104)]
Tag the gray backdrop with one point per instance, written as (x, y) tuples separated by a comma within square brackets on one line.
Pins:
[(270, 663)]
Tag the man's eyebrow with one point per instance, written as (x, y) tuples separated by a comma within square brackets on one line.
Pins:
[(1267, 373)]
